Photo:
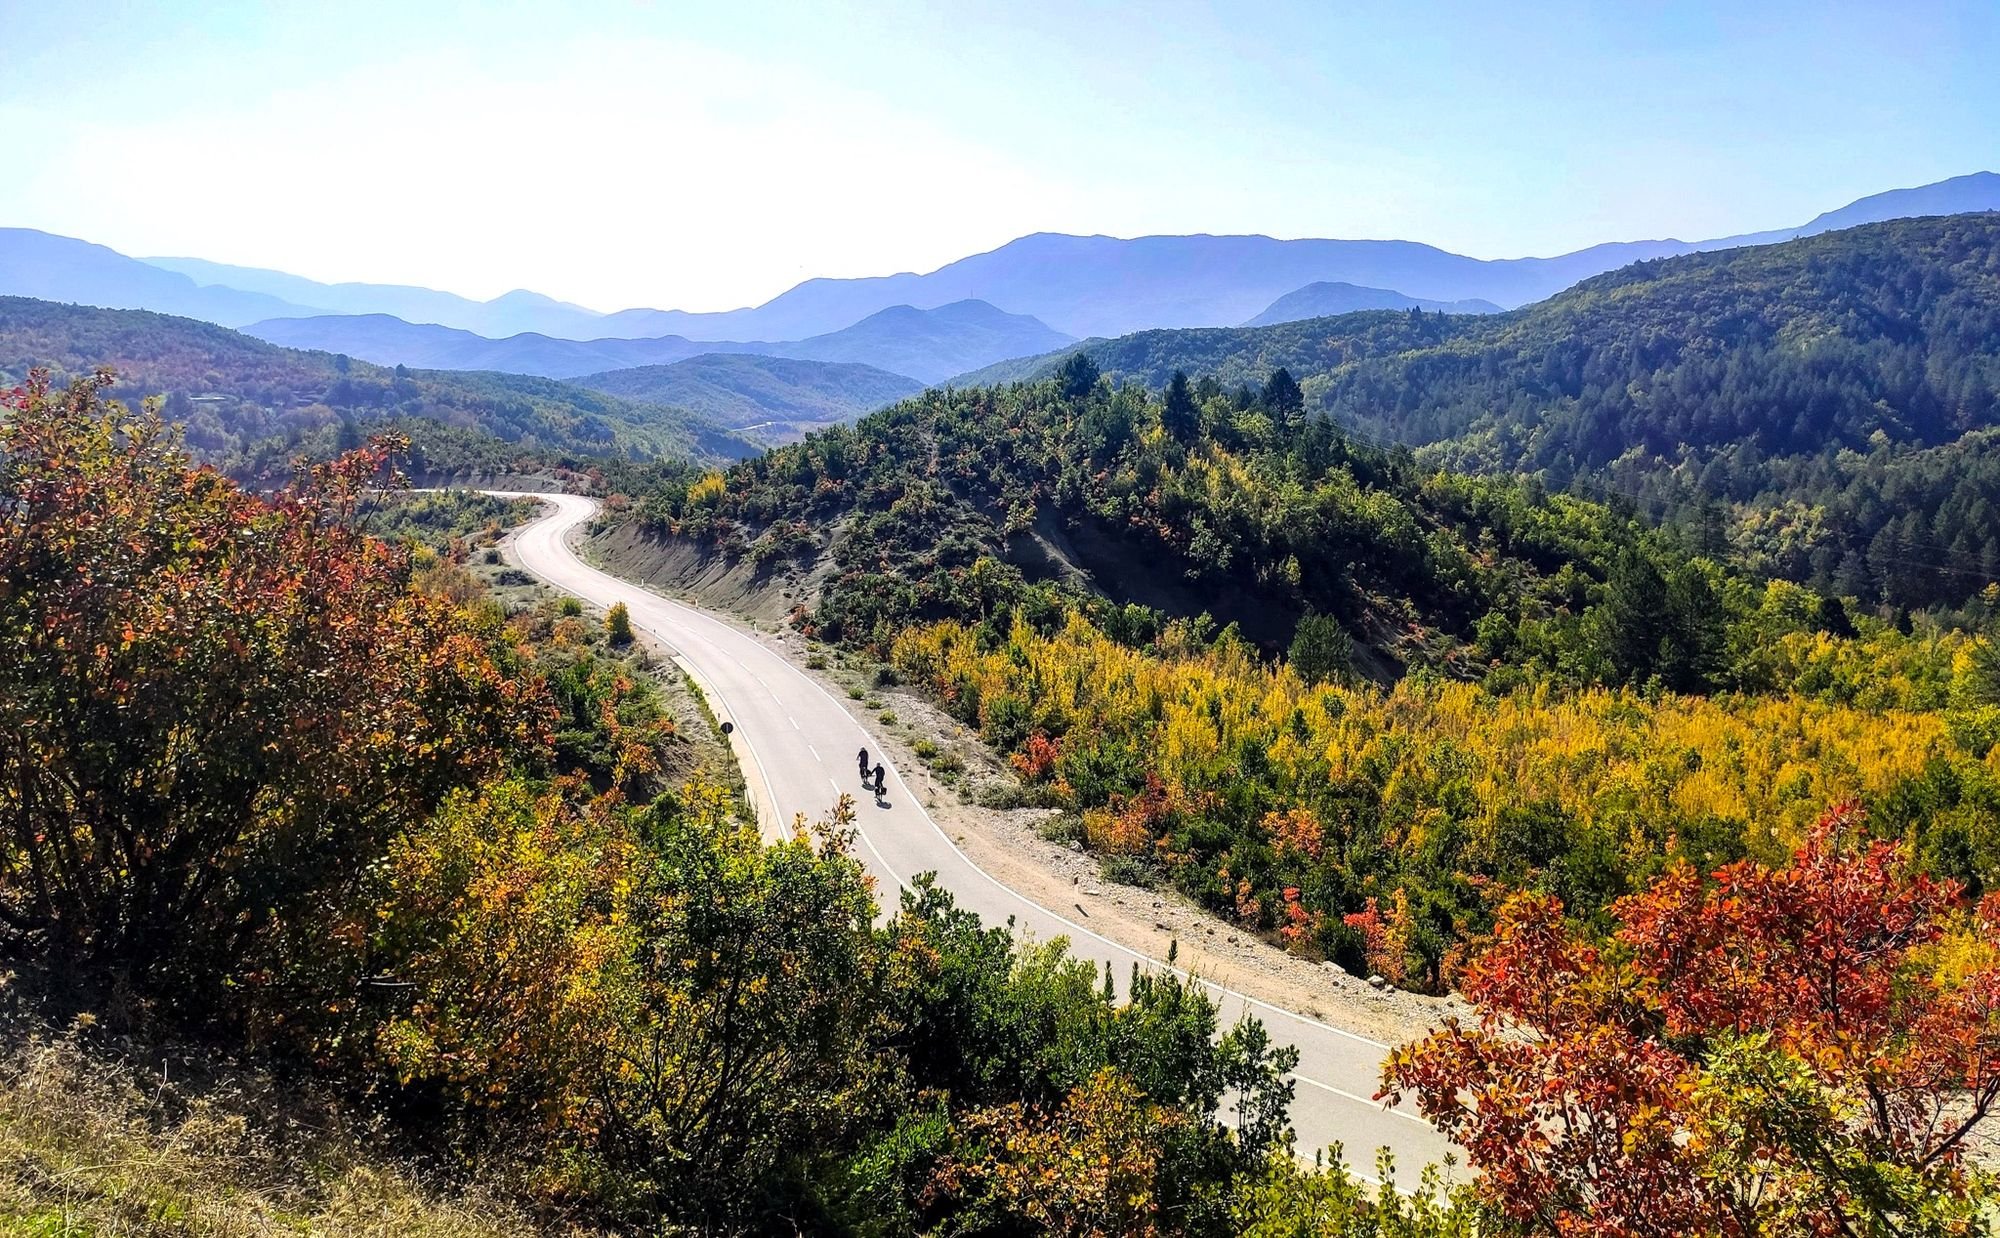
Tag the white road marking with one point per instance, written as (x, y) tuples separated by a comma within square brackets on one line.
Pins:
[(1370, 1101)]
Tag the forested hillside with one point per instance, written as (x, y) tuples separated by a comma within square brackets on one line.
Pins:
[(1055, 559), (1194, 503), (779, 396), (284, 793), (1818, 406), (1324, 300), (251, 404)]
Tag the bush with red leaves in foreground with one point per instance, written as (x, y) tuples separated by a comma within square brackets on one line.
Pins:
[(215, 708), (1813, 1049)]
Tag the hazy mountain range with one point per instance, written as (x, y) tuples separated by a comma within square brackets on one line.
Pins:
[(60, 268), (925, 345), (1080, 285), (508, 314), (1028, 297), (1100, 285)]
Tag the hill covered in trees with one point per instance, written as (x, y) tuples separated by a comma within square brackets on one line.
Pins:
[(951, 504), (1484, 685), (251, 404), (1326, 299), (1821, 407), (775, 397)]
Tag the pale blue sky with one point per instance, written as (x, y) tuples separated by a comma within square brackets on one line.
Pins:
[(705, 156)]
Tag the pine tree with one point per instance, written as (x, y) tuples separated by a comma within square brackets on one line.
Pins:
[(1284, 400), (1179, 416), (1077, 376), (1321, 649)]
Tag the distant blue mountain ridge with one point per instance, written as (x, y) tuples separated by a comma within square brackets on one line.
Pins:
[(1098, 285), (925, 345), (1074, 285)]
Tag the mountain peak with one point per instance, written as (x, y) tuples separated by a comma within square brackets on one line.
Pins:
[(528, 299)]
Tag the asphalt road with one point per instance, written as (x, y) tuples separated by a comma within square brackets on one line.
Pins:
[(797, 745)]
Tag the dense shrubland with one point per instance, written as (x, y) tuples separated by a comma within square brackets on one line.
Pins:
[(1596, 807), (1587, 701), (276, 786), (1378, 826)]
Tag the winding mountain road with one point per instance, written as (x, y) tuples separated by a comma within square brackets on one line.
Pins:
[(796, 743)]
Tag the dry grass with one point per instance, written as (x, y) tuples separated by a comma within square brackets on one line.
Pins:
[(96, 1141)]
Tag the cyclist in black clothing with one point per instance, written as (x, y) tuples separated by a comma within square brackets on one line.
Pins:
[(864, 768), (880, 774)]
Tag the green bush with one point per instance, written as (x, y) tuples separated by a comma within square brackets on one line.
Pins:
[(618, 624)]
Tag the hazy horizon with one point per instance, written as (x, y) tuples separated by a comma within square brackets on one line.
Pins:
[(640, 155)]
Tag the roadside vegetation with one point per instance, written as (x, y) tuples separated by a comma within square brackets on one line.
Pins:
[(1384, 714), (305, 805)]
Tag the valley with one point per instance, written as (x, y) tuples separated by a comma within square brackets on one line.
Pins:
[(1358, 738)]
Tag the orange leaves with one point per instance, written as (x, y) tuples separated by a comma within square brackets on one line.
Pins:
[(1300, 927), (1813, 951), (220, 704), (1037, 758), (1385, 940), (1085, 1168), (1537, 973), (1129, 825), (1296, 830), (1766, 1046), (1249, 908)]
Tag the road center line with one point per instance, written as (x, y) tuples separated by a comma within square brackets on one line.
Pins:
[(1370, 1101)]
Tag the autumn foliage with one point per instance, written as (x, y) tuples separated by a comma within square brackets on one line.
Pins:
[(1398, 817), (295, 791), (1084, 1168), (1795, 1049), (214, 707)]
